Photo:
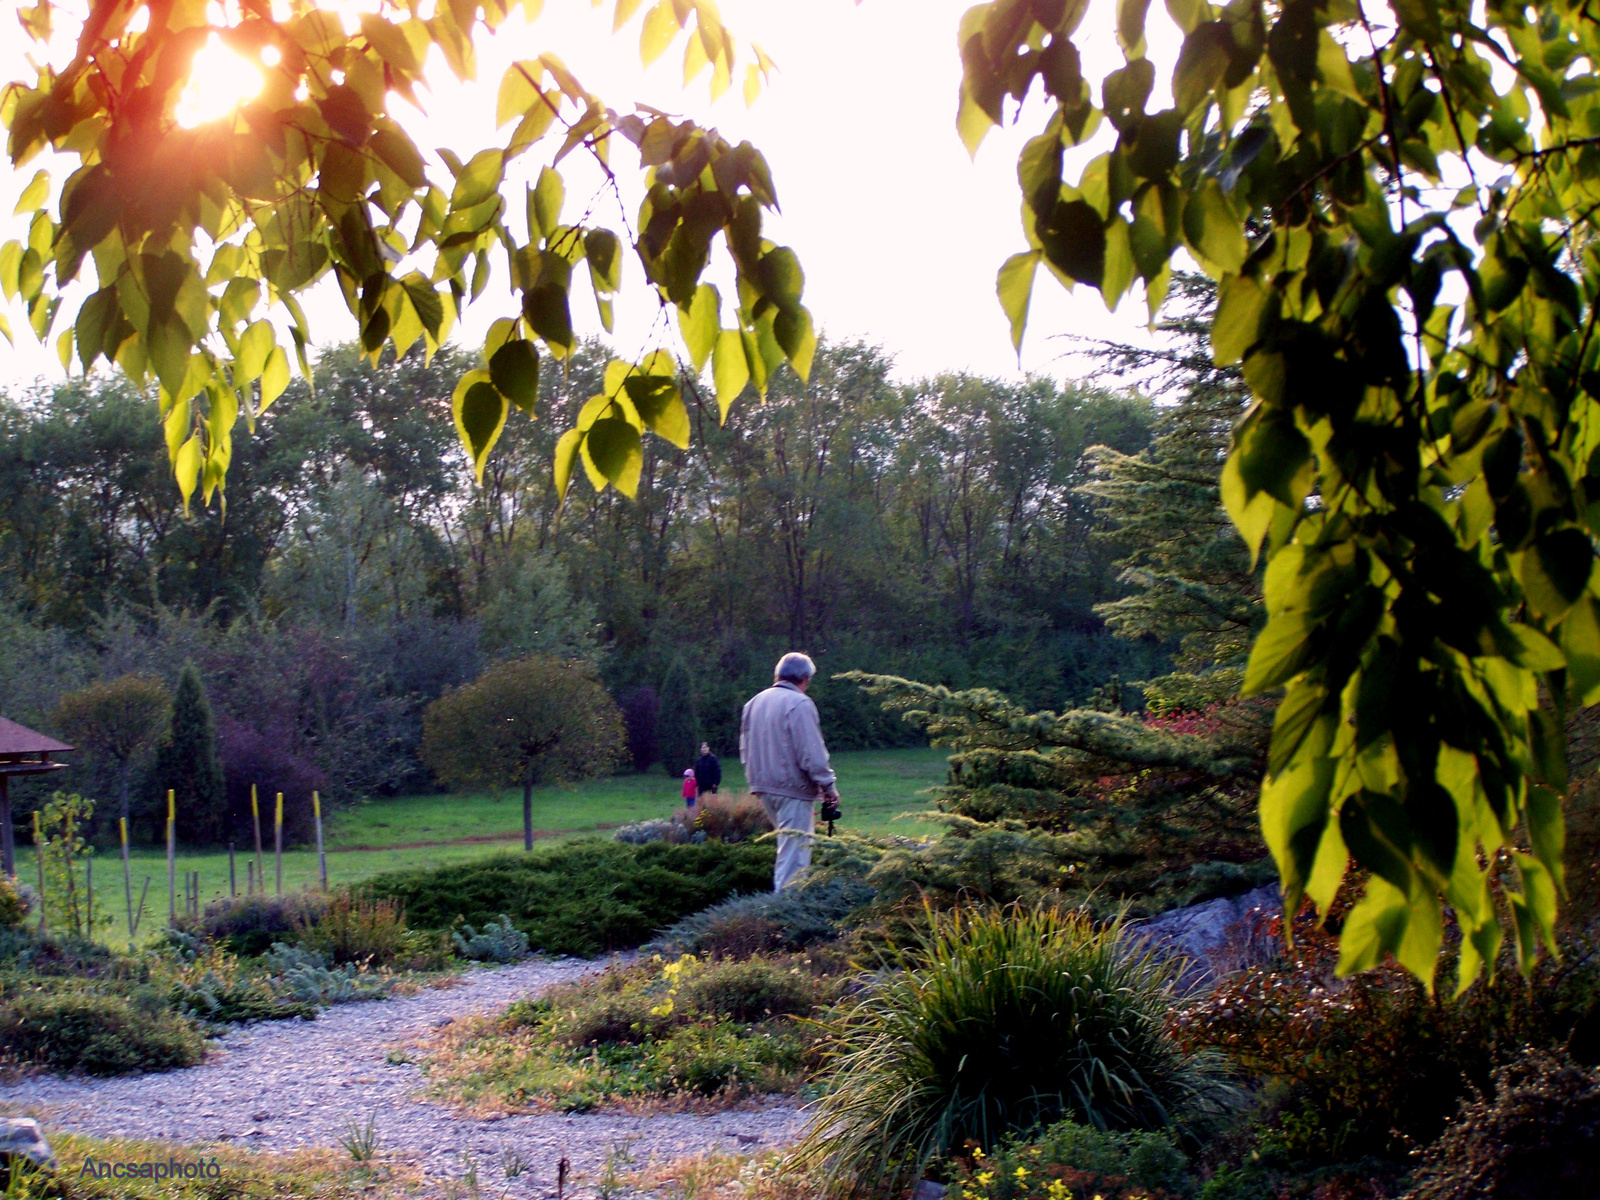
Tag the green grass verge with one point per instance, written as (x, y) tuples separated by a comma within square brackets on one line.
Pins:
[(405, 832)]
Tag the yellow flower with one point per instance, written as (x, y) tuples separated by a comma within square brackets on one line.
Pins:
[(985, 1177), (1020, 1174), (978, 1153), (1058, 1191)]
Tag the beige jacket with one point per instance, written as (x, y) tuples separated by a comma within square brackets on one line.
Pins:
[(780, 744)]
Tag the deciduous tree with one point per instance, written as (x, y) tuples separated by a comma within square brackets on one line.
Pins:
[(1399, 207), (120, 718), (530, 721)]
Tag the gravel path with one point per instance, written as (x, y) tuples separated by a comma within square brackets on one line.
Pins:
[(286, 1084)]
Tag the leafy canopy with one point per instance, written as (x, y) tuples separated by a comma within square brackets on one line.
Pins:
[(1399, 207), (533, 720), (193, 236)]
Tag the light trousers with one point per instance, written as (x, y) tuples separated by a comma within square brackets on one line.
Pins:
[(794, 849)]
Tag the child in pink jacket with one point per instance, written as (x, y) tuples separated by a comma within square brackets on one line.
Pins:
[(691, 789)]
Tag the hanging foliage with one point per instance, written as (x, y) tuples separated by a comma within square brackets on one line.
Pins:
[(192, 229), (1399, 207)]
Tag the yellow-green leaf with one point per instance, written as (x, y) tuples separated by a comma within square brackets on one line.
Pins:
[(274, 376), (35, 195), (612, 446), (1015, 288), (700, 321), (660, 27), (480, 415), (730, 370)]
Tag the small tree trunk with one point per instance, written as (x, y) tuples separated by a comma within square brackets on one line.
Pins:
[(527, 813)]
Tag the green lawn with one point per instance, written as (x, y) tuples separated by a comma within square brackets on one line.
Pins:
[(412, 831)]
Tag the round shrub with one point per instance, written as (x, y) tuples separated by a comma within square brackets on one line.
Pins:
[(1003, 1019), (756, 989), (1538, 1138), (14, 907), (98, 1035)]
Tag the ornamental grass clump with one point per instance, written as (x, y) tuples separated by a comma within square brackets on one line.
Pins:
[(1003, 1020)]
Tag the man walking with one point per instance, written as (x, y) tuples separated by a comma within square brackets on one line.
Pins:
[(786, 763)]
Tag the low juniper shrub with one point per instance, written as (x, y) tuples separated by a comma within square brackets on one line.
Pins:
[(498, 942), (96, 1034)]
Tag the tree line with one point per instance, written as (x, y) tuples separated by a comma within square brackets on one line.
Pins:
[(938, 529)]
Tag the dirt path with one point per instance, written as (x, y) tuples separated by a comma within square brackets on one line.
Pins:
[(286, 1084)]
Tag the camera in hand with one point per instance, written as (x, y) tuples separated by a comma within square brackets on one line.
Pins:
[(831, 811)]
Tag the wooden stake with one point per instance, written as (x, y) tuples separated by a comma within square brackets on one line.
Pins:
[(38, 853), (255, 817), (88, 890), (233, 880), (127, 878), (250, 877), (8, 854), (322, 859), (172, 857), (139, 916), (277, 841)]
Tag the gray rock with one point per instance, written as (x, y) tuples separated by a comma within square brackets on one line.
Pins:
[(927, 1189), (1216, 937), (21, 1137)]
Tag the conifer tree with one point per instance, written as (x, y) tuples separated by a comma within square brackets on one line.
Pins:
[(1186, 567), (678, 725), (187, 763)]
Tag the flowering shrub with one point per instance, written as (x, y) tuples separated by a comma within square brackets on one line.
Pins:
[(1073, 1162), (1372, 1062)]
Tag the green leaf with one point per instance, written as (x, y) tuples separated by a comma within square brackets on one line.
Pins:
[(1014, 285), (401, 156), (545, 201), (782, 281), (1130, 26), (254, 345), (346, 114), (1294, 816), (35, 196), (700, 321), (566, 454), (1386, 921), (186, 466), (1274, 457), (548, 314), (660, 406), (1420, 18), (1240, 304), (1580, 646), (274, 377), (1074, 241), (1547, 832), (604, 252), (480, 416), (479, 180), (660, 27), (793, 331), (1201, 65), (1212, 229), (1555, 571), (614, 448), (514, 371), (1281, 651), (730, 370)]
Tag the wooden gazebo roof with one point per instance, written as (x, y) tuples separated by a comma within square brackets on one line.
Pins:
[(24, 752)]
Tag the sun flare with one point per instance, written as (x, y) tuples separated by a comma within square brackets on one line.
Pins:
[(220, 81)]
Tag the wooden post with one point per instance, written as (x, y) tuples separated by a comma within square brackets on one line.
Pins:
[(172, 857), (277, 841), (322, 859), (255, 817), (127, 878), (8, 852), (233, 880), (38, 853), (88, 893), (250, 878)]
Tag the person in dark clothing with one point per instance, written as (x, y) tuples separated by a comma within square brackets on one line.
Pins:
[(707, 770)]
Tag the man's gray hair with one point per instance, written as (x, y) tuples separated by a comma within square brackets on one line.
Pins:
[(794, 667)]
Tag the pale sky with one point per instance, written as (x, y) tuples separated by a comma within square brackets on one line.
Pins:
[(899, 232)]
